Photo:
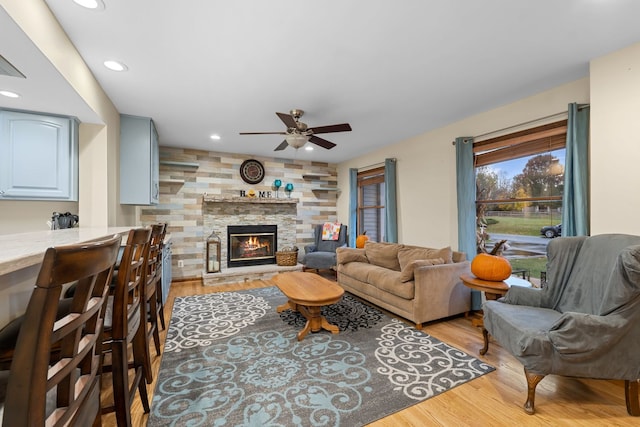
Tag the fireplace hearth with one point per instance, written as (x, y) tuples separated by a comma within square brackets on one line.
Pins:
[(251, 245)]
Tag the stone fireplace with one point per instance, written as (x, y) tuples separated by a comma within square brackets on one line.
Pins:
[(251, 245), (221, 212)]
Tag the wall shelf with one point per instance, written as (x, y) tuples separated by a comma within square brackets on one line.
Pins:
[(322, 177), (180, 164), (315, 175), (172, 181), (326, 189), (262, 200)]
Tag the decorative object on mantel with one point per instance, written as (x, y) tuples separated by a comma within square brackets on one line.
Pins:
[(213, 253), (276, 185), (252, 171), (288, 188), (251, 193)]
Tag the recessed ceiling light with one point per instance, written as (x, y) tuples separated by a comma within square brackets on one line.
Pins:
[(90, 4), (308, 148), (215, 137), (9, 94), (115, 65)]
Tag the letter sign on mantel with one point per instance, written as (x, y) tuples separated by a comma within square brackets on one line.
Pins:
[(252, 193)]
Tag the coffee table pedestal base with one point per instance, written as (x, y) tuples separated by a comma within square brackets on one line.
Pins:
[(315, 320)]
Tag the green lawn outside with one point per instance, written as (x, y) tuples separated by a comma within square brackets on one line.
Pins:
[(529, 225), (523, 225), (534, 265)]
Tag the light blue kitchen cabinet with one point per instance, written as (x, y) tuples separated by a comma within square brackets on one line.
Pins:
[(139, 161), (38, 157)]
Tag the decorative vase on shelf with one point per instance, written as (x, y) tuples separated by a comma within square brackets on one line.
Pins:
[(277, 184), (288, 188)]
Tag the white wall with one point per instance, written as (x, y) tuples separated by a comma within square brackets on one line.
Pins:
[(615, 142), (426, 171), (21, 217)]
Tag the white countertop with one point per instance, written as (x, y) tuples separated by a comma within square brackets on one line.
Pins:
[(22, 250)]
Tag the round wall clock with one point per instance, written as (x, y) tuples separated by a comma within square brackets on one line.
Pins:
[(252, 171)]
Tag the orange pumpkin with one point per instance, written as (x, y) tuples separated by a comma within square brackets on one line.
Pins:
[(490, 267), (361, 240)]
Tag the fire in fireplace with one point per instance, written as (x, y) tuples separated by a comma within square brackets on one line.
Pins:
[(251, 245)]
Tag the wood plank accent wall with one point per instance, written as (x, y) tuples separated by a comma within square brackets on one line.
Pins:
[(187, 175)]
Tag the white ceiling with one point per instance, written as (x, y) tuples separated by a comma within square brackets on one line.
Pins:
[(392, 69)]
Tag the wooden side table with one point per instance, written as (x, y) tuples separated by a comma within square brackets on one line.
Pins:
[(492, 291)]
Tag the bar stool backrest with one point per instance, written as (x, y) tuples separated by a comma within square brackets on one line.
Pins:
[(54, 377)]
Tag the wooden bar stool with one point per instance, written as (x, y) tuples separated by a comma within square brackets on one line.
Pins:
[(153, 275), (55, 372), (125, 326), (159, 291)]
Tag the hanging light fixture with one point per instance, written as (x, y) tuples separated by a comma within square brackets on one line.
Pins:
[(296, 140)]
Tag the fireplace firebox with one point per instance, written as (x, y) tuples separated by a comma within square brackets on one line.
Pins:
[(251, 245)]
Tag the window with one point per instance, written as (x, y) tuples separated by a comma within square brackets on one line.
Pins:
[(371, 209), (519, 188)]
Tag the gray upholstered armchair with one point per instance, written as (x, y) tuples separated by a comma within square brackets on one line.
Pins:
[(584, 323), (321, 254)]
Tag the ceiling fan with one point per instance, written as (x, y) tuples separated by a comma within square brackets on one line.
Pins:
[(298, 133)]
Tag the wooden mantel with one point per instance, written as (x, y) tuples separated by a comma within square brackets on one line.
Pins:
[(213, 198)]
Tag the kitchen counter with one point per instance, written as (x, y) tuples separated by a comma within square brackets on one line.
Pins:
[(21, 256), (18, 251)]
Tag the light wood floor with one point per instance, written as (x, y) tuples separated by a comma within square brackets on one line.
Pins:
[(494, 399)]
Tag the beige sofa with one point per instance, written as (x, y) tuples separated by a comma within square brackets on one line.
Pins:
[(417, 283)]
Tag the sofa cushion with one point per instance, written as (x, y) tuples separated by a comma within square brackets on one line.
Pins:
[(383, 254), (406, 255), (356, 270), (389, 281), (347, 255), (407, 272)]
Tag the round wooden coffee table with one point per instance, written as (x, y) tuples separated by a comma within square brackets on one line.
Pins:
[(308, 293)]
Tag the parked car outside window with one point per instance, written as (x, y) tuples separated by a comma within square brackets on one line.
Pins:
[(551, 231)]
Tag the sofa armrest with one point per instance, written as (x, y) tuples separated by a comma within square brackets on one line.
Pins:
[(439, 291)]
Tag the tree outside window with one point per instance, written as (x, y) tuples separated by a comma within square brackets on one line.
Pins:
[(519, 188)]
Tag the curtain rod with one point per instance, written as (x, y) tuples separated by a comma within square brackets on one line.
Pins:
[(360, 169), (580, 106)]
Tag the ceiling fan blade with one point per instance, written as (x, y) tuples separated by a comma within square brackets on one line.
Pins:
[(343, 127), (263, 133), (287, 119), (322, 142), (282, 146)]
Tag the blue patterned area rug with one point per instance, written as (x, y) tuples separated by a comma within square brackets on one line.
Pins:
[(231, 360)]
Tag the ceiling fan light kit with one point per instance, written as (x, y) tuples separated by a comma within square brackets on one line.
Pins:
[(298, 133), (296, 140)]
